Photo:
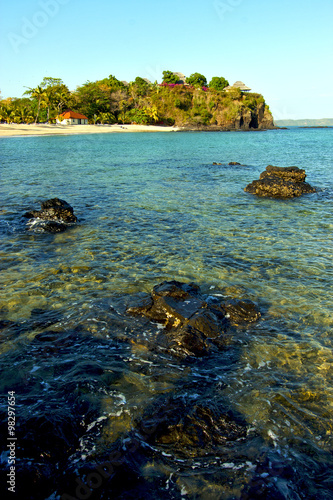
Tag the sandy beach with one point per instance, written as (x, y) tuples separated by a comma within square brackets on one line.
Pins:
[(14, 130)]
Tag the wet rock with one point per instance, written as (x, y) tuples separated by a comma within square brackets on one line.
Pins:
[(192, 323), (280, 182), (190, 430), (176, 289), (187, 341), (54, 216), (293, 174), (241, 311), (206, 322), (234, 163), (216, 163)]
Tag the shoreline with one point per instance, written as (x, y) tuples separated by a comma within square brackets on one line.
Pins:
[(15, 130)]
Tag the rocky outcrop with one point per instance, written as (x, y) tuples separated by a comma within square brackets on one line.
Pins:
[(190, 430), (193, 322), (54, 216), (280, 182)]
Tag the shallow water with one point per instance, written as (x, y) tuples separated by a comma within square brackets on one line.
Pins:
[(153, 207)]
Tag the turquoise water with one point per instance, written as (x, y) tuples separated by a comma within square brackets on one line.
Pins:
[(153, 207)]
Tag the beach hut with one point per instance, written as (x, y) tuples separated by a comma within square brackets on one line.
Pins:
[(238, 85), (69, 117)]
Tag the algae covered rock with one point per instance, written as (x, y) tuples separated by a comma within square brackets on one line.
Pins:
[(280, 182), (193, 323), (55, 216)]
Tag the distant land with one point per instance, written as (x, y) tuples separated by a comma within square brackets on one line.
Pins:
[(321, 122)]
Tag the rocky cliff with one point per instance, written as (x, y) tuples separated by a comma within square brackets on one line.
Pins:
[(208, 109)]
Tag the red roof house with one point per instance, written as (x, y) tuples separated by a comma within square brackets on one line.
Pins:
[(72, 118)]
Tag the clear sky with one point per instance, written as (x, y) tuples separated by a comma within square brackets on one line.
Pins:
[(280, 48)]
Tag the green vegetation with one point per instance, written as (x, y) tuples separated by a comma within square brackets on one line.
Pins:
[(197, 80), (169, 77), (218, 83), (110, 101)]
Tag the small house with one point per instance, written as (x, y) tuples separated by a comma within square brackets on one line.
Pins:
[(238, 85), (71, 118), (181, 78)]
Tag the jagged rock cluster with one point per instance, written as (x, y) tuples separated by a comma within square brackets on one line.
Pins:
[(280, 182), (54, 216), (192, 321)]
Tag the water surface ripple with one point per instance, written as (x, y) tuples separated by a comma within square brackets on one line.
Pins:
[(153, 207)]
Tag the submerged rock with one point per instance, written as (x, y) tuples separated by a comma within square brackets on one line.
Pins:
[(193, 323), (190, 430), (54, 216), (280, 182)]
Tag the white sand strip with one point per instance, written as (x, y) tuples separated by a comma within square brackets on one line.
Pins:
[(13, 130)]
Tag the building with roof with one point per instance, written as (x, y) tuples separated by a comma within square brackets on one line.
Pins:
[(181, 77), (70, 117), (238, 85)]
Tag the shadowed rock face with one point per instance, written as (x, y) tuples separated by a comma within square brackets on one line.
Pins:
[(191, 322), (190, 430), (280, 182), (53, 217)]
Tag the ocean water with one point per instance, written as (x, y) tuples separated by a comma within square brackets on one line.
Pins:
[(153, 207)]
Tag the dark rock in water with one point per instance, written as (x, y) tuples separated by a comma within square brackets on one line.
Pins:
[(187, 341), (215, 163), (293, 174), (176, 289), (53, 217), (206, 322), (241, 311), (190, 430), (234, 163), (53, 226), (192, 324), (280, 182)]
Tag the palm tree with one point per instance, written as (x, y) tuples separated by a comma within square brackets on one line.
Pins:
[(23, 115), (7, 114), (37, 93), (47, 101), (152, 112)]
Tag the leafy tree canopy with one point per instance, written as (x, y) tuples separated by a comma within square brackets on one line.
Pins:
[(114, 83), (218, 83), (197, 80), (170, 77), (141, 86), (51, 82)]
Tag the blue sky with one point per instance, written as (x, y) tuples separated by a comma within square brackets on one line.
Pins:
[(280, 48)]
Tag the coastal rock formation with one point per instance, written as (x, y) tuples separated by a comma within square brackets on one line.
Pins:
[(54, 216), (190, 430), (192, 321), (280, 182)]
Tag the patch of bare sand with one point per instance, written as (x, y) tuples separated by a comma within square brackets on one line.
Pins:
[(13, 130)]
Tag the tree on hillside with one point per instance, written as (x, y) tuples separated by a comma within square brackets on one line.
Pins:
[(197, 80), (169, 77), (140, 86), (115, 84), (218, 83)]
